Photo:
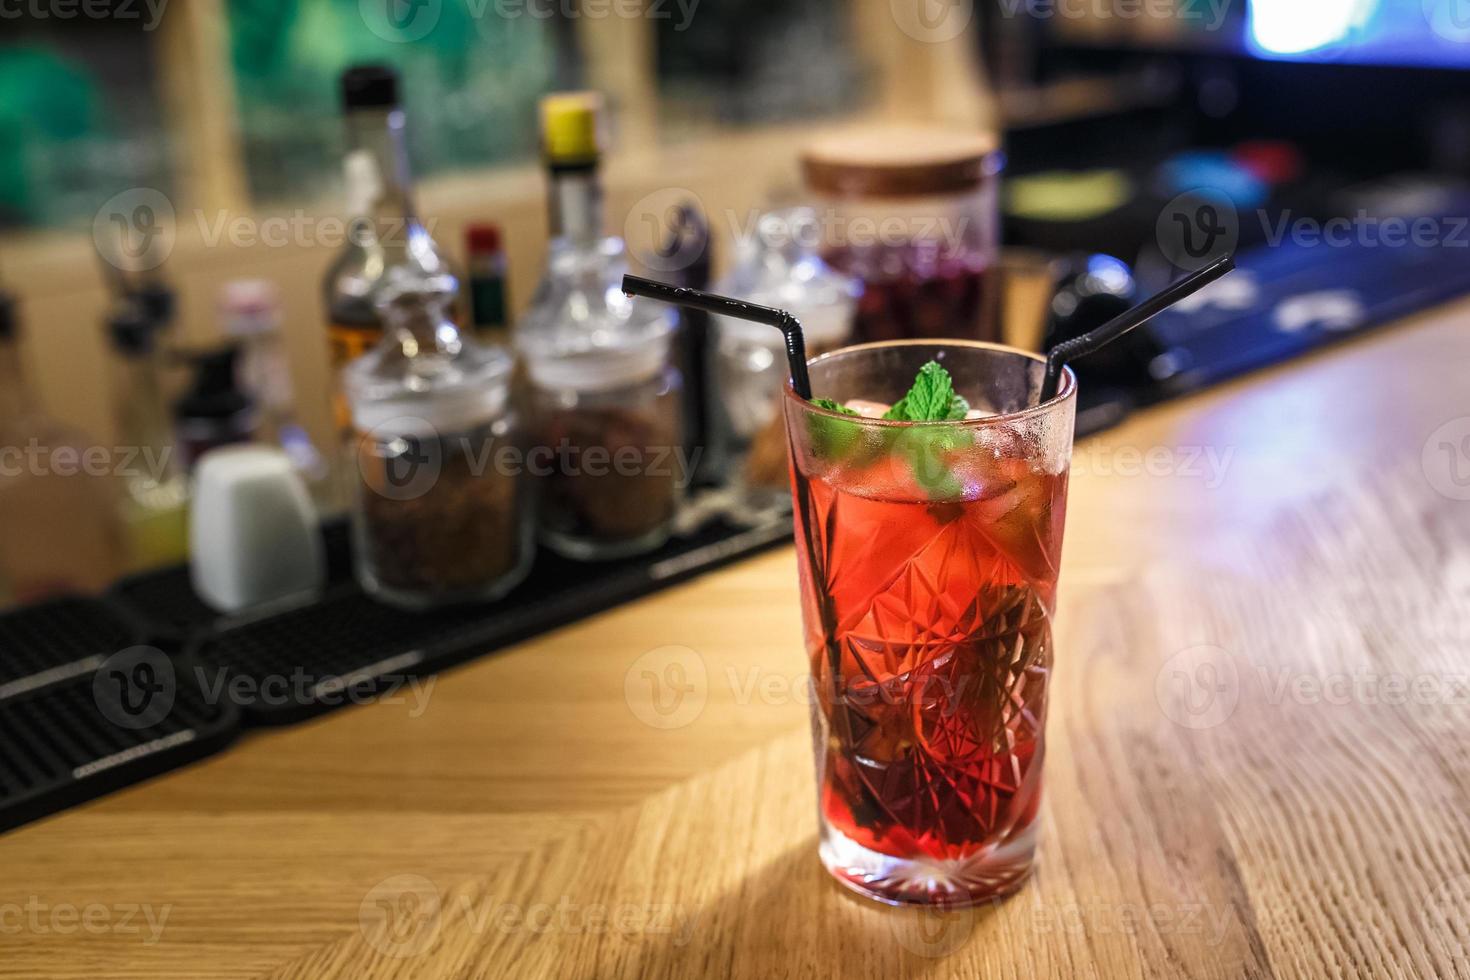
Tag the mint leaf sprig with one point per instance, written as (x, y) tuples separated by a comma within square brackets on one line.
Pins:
[(932, 398), (832, 406), (927, 450), (833, 438)]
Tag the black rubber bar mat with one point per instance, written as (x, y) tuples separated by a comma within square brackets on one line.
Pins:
[(171, 614), (58, 640), (287, 665), (165, 602), (85, 708)]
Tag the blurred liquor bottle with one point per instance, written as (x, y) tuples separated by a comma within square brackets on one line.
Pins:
[(155, 492), (250, 314), (215, 410), (385, 231), (58, 520)]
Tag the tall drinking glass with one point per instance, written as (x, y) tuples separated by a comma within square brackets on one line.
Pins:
[(928, 558)]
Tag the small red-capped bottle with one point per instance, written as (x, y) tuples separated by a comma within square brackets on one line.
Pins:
[(487, 282)]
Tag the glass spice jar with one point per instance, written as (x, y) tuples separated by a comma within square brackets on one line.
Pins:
[(440, 514), (780, 266), (912, 214), (607, 455)]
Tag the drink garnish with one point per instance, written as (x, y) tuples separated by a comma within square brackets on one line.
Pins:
[(833, 438), (931, 399), (831, 406)]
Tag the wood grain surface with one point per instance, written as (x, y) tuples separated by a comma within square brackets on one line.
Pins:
[(1259, 754)]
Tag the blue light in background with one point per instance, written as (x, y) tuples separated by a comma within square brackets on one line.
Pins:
[(1212, 170), (1286, 27), (1112, 273), (1361, 32)]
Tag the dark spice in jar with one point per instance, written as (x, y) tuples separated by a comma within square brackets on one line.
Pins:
[(458, 530), (767, 462), (612, 475)]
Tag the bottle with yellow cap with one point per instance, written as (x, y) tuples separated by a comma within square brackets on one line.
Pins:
[(571, 145), (605, 396)]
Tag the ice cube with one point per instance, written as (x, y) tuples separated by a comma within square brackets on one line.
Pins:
[(867, 409), (1003, 442)]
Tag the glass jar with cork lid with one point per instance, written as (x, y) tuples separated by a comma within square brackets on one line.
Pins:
[(440, 514), (912, 213)]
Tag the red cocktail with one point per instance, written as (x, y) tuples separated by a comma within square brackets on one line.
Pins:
[(929, 555)]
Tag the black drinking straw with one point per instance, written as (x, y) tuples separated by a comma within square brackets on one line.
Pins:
[(789, 326), (1107, 333), (800, 382)]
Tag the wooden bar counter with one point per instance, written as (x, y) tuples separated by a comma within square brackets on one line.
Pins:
[(1259, 753)]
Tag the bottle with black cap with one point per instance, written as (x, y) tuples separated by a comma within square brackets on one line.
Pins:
[(159, 303), (214, 411), (385, 231), (155, 492), (58, 525)]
